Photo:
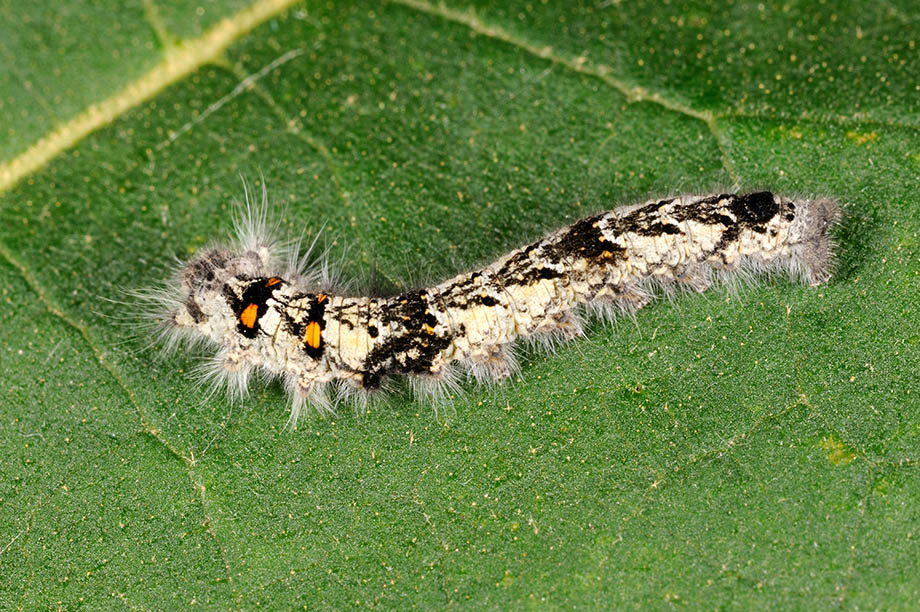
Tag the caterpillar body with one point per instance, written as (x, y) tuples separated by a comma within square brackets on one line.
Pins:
[(285, 321)]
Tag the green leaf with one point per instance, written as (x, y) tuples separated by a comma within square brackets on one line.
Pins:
[(755, 449)]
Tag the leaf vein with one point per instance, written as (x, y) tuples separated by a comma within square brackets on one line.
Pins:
[(581, 65), (177, 63), (148, 427)]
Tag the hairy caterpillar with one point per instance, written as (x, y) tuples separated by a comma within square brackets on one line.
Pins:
[(263, 313)]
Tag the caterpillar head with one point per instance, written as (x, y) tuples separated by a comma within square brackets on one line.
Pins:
[(204, 283)]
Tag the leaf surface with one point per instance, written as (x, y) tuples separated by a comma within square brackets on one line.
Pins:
[(749, 449)]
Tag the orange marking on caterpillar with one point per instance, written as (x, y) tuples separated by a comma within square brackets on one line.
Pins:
[(321, 298), (272, 281), (249, 316), (313, 335)]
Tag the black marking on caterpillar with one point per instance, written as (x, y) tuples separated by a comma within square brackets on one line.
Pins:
[(288, 320)]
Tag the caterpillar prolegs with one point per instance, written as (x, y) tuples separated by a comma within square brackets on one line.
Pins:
[(264, 314)]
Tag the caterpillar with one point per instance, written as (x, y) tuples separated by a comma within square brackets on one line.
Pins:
[(266, 313)]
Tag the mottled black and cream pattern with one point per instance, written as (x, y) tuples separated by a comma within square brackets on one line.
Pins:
[(285, 323)]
